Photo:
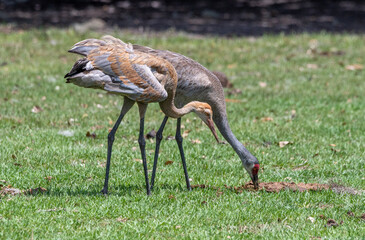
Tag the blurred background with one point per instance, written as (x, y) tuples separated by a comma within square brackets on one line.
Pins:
[(225, 18)]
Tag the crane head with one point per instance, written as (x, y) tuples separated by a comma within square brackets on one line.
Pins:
[(205, 113), (252, 167)]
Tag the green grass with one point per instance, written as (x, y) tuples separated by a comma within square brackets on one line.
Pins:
[(329, 104)]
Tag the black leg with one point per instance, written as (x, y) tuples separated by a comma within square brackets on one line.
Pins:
[(158, 141), (142, 146), (179, 141), (126, 106)]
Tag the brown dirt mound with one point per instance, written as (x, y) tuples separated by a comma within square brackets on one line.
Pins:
[(280, 186), (273, 187)]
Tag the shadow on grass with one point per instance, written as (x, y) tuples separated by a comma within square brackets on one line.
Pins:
[(119, 190)]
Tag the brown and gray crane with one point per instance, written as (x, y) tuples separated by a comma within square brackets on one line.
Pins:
[(196, 83), (111, 65)]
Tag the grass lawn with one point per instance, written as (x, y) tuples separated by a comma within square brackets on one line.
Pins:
[(305, 89)]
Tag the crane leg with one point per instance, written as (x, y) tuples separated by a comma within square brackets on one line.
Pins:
[(142, 143), (158, 141), (127, 105), (179, 141)]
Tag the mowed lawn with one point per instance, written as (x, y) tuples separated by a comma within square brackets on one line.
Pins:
[(306, 89)]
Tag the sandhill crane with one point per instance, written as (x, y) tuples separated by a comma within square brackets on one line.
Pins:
[(111, 65), (196, 83)]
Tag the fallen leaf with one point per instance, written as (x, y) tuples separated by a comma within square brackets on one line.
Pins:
[(99, 106), (171, 197), (48, 178), (267, 119), (331, 223), (91, 135), (196, 141), (122, 219), (185, 133), (351, 214), (66, 133), (204, 202), (37, 109), (85, 115), (293, 113), (13, 156), (134, 148), (170, 138), (262, 84), (43, 98), (219, 193), (354, 67), (168, 162), (311, 219), (138, 160), (312, 66), (177, 227), (333, 145), (283, 143), (151, 134), (18, 164)]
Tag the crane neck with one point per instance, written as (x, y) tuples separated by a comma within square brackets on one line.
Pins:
[(168, 105), (220, 119)]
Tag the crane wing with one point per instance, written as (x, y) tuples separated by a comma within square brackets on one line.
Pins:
[(130, 74)]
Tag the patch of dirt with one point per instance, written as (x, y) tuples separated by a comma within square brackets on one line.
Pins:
[(9, 191), (281, 186), (343, 189), (331, 223), (273, 187), (14, 191)]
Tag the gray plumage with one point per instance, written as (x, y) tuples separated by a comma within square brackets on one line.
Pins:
[(196, 83)]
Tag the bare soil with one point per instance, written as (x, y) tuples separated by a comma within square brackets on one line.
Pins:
[(14, 191), (280, 186), (275, 187)]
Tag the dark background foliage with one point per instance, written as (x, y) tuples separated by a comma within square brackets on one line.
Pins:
[(230, 17)]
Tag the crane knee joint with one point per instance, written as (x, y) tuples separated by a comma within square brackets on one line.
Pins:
[(179, 138), (110, 137), (159, 136), (141, 141)]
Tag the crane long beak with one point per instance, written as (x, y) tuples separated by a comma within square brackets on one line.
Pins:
[(210, 124), (255, 181)]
